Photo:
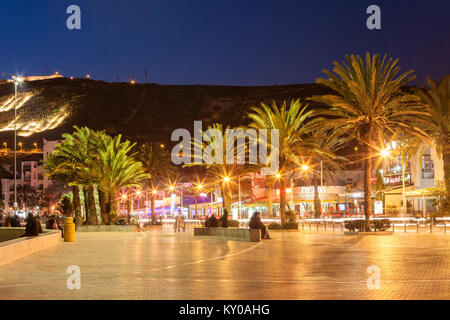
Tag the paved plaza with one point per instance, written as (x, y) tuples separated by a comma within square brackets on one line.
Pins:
[(293, 265)]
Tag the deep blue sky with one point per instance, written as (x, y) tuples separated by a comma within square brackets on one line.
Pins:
[(236, 42)]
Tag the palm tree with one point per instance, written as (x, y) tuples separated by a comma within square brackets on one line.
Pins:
[(27, 195), (51, 195), (157, 163), (75, 155), (294, 124), (436, 100), (119, 170), (59, 168), (219, 171), (368, 104)]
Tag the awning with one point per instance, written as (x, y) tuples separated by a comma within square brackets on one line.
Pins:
[(425, 192)]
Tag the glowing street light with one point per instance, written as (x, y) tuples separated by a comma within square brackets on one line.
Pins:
[(384, 153), (305, 167), (124, 196), (200, 187), (35, 145), (278, 175), (154, 191), (171, 188), (20, 145), (226, 179)]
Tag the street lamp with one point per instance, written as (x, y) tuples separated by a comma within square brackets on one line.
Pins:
[(384, 153), (306, 168), (17, 80)]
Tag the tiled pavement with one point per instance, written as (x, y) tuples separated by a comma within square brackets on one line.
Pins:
[(293, 265)]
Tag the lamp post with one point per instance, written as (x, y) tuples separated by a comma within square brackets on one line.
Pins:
[(239, 207), (16, 80)]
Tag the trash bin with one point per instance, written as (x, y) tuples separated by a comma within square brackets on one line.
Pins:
[(69, 230)]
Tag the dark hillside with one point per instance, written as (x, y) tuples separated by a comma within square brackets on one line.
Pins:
[(139, 111)]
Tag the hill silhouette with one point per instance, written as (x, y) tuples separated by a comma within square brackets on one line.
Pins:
[(141, 112)]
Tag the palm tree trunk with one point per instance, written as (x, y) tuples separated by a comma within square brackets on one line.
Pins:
[(283, 200), (129, 208), (152, 201), (316, 196), (195, 205), (446, 159), (403, 190), (103, 206), (77, 205), (92, 209), (368, 188)]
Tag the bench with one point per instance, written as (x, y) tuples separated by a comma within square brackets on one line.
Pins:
[(253, 235)]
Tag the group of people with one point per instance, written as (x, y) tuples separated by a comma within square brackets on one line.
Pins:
[(254, 223), (10, 221), (33, 225), (213, 222)]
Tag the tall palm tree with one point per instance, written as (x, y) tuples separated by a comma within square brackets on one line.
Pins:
[(61, 168), (27, 195), (119, 170), (294, 125), (219, 171), (158, 165), (368, 104), (436, 100)]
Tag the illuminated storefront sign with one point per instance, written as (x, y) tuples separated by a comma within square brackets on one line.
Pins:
[(311, 189), (396, 179)]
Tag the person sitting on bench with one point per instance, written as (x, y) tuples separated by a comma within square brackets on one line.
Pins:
[(256, 223)]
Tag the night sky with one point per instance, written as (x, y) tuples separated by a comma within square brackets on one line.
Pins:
[(233, 42)]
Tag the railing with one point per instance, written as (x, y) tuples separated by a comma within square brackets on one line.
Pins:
[(400, 224), (405, 224)]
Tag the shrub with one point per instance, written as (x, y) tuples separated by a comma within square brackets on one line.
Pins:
[(274, 226), (233, 223), (289, 226), (355, 225), (121, 221), (380, 225)]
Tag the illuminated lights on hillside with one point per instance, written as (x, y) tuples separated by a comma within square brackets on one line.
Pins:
[(9, 104), (26, 129)]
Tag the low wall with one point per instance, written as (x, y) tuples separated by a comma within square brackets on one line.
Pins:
[(108, 228), (253, 235), (10, 233), (16, 249)]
